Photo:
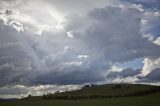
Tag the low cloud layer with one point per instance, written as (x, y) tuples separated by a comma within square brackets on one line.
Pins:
[(20, 91), (76, 46)]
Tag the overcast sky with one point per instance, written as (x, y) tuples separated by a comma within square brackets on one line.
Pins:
[(49, 45)]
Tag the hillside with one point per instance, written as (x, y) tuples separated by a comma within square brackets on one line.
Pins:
[(97, 95), (105, 91)]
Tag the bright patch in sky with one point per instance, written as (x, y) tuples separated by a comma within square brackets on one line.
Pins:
[(135, 64)]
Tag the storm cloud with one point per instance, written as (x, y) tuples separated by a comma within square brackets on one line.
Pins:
[(63, 43)]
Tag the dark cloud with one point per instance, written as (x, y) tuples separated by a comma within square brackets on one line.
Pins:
[(13, 90), (124, 73), (75, 77), (73, 49), (152, 24), (149, 4), (17, 59), (103, 37), (154, 75), (117, 36)]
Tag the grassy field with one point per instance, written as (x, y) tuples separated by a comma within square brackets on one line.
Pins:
[(151, 99)]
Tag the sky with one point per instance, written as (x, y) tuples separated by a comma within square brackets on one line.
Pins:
[(50, 45)]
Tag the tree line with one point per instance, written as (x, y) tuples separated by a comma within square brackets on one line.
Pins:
[(74, 97)]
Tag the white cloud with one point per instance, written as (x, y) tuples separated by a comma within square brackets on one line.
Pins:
[(33, 17), (82, 56), (73, 63), (157, 13), (115, 68), (70, 35), (18, 26), (18, 91), (157, 41), (125, 80), (149, 36), (144, 22), (150, 65)]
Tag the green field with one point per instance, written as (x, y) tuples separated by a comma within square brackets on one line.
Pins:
[(107, 95)]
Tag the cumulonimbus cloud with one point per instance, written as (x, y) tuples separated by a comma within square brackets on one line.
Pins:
[(74, 47)]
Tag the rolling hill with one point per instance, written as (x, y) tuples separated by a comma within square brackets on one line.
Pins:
[(97, 95)]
